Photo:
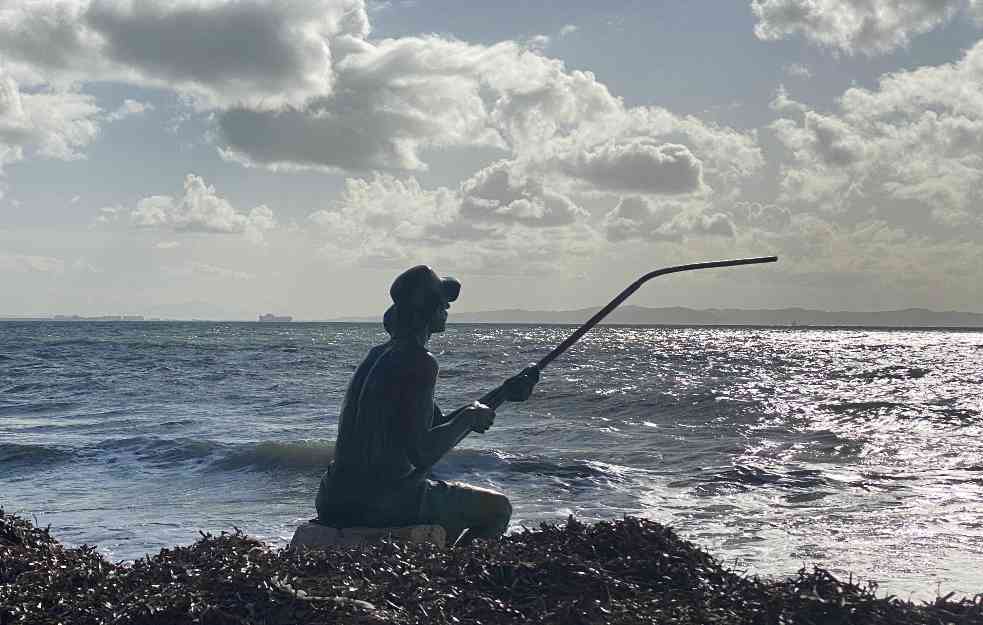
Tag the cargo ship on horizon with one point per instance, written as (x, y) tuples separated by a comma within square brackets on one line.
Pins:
[(275, 318)]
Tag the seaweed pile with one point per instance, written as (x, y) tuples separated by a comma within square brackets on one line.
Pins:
[(630, 571)]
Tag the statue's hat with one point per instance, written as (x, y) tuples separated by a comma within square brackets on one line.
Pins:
[(421, 283)]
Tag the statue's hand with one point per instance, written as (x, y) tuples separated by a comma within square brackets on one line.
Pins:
[(519, 387), (483, 416)]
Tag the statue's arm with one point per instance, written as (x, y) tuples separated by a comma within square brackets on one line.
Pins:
[(439, 418), (427, 440)]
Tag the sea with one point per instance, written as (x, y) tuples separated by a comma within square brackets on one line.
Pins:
[(860, 450)]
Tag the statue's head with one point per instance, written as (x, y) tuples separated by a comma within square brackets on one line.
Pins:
[(420, 301)]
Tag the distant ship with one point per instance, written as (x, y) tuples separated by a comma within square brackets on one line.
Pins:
[(272, 317)]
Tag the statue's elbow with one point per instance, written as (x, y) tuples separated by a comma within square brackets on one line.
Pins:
[(419, 457)]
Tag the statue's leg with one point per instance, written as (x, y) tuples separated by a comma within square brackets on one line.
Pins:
[(456, 506), (321, 502)]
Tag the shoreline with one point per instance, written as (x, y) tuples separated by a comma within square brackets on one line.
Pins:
[(627, 571)]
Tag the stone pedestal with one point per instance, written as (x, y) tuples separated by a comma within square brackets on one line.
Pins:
[(315, 536)]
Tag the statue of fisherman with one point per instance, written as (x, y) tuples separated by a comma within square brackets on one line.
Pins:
[(391, 432)]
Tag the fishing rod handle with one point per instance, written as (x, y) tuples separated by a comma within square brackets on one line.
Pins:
[(499, 395), (494, 398)]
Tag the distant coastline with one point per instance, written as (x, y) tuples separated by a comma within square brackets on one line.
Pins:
[(633, 315), (78, 318), (680, 316)]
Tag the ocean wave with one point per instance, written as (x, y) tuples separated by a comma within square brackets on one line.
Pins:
[(743, 477), (290, 455), (163, 451), (87, 422), (31, 455), (309, 455), (34, 408), (463, 461)]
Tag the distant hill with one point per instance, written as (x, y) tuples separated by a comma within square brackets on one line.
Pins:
[(909, 317)]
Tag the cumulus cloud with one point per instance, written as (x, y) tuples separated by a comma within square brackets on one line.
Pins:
[(218, 51), (727, 157), (395, 98), (386, 208), (637, 217), (201, 210), (52, 124), (639, 166), (386, 221), (300, 85), (356, 138), (913, 142), (501, 192), (497, 197), (866, 26), (109, 214), (768, 217), (538, 43)]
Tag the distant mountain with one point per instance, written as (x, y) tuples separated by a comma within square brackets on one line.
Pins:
[(909, 317)]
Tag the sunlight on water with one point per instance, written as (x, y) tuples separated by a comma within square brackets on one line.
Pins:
[(861, 450)]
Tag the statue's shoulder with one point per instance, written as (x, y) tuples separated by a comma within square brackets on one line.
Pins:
[(411, 357)]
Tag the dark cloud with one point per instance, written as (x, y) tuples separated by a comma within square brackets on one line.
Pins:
[(260, 53), (220, 45), (349, 138)]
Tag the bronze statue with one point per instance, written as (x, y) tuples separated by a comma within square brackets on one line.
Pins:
[(391, 432)]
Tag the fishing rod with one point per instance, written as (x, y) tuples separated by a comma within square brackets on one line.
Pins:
[(497, 396)]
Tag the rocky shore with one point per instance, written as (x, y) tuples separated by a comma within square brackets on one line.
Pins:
[(629, 571)]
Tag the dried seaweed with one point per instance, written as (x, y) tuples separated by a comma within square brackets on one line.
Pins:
[(630, 571)]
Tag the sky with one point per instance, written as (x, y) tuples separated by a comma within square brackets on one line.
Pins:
[(226, 158)]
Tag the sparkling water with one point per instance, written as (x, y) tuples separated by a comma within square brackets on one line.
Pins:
[(773, 448)]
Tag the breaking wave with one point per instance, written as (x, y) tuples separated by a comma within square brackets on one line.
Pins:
[(156, 451), (291, 455)]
